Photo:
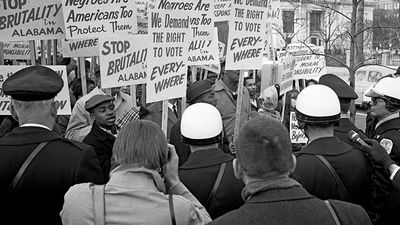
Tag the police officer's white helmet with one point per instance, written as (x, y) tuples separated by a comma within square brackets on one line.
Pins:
[(387, 87), (317, 104), (201, 124)]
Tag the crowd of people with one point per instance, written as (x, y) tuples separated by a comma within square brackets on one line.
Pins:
[(109, 162)]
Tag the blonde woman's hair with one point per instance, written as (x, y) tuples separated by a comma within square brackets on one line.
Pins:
[(143, 143)]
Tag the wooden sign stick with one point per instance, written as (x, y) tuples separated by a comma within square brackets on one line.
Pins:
[(239, 105), (133, 95), (164, 117), (42, 52), (32, 50), (1, 54), (55, 52), (48, 58), (81, 62)]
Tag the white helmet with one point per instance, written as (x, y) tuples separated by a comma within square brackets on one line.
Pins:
[(387, 87), (317, 104), (201, 124)]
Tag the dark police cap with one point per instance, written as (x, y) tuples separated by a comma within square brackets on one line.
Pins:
[(198, 88), (34, 83), (97, 100), (341, 88)]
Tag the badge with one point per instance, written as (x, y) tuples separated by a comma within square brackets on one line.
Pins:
[(387, 144)]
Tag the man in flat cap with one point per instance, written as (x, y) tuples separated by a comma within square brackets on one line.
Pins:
[(37, 166), (199, 91), (345, 94), (102, 135)]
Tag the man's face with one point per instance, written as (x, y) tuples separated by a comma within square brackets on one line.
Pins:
[(104, 114), (251, 86), (208, 97), (378, 108), (232, 75)]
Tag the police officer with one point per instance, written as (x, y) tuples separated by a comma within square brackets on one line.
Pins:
[(208, 172), (327, 167), (37, 166), (385, 98), (345, 94)]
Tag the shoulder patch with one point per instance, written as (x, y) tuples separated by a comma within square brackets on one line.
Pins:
[(387, 144)]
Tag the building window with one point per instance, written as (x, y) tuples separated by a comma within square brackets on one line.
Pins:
[(288, 21), (315, 21)]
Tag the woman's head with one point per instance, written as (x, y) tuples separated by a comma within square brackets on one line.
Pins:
[(143, 143)]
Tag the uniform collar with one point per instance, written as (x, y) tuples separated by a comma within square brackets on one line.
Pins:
[(34, 125), (28, 135), (206, 158), (391, 117), (326, 146)]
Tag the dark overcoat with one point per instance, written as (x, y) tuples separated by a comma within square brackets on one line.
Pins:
[(39, 196)]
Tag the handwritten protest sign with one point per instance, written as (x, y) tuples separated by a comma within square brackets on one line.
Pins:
[(90, 19), (296, 135), (222, 10), (203, 47), (274, 15), (23, 20), (123, 60), (308, 63), (142, 25), (16, 50), (285, 79), (216, 68), (80, 47), (246, 35), (63, 103), (167, 68)]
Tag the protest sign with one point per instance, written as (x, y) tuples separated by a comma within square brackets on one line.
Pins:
[(246, 35), (274, 13), (285, 79), (310, 62), (203, 47), (216, 68), (123, 60), (91, 19), (142, 25), (80, 47), (23, 20), (16, 50), (222, 10), (296, 135), (167, 65), (62, 100)]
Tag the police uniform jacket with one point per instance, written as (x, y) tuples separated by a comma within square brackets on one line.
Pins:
[(291, 206), (341, 131), (199, 173), (351, 165), (103, 143), (388, 135), (38, 198)]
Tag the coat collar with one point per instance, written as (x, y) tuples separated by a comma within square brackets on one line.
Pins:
[(28, 135), (326, 146), (280, 194), (171, 115), (345, 125), (134, 177), (206, 158), (100, 133)]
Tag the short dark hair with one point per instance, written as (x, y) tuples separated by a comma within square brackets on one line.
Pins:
[(264, 148)]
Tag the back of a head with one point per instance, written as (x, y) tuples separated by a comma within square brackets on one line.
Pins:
[(142, 143), (264, 148)]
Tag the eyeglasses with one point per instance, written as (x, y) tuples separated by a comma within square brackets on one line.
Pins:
[(377, 99)]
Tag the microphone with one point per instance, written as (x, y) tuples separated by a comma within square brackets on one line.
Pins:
[(355, 138)]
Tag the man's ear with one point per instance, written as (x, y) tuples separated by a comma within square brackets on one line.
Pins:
[(294, 162), (91, 115), (237, 170), (53, 109), (13, 112)]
